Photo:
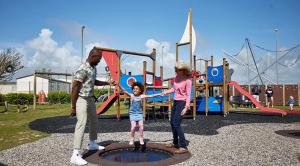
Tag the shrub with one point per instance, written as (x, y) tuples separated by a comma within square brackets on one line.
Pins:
[(59, 97), (1, 98), (19, 98)]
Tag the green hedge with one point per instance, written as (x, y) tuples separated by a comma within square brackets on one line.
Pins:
[(19, 98), (1, 98), (59, 97)]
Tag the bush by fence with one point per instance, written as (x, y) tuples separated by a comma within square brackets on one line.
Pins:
[(19, 98), (59, 97), (1, 98)]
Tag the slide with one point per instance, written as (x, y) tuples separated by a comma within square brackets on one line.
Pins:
[(107, 104), (255, 102)]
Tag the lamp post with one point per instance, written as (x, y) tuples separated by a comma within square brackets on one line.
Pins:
[(82, 28), (276, 30), (162, 55)]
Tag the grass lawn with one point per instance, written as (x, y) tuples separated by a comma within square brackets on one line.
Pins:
[(14, 128)]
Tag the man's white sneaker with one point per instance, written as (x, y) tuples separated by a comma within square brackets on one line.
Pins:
[(95, 146), (77, 159)]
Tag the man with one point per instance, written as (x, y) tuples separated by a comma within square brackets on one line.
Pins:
[(255, 92), (270, 99), (83, 104)]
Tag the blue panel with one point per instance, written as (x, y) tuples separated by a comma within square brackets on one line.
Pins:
[(126, 79), (158, 98), (215, 74), (215, 104)]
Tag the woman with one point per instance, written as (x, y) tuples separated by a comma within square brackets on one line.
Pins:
[(182, 89)]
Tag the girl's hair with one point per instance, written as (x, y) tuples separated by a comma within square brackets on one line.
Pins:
[(185, 68), (138, 84)]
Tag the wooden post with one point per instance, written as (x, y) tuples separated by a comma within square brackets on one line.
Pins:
[(176, 52), (145, 79), (233, 91), (249, 88), (194, 81), (34, 91), (161, 75), (154, 70), (206, 88), (225, 87), (169, 101), (283, 94), (191, 36), (118, 87), (5, 106)]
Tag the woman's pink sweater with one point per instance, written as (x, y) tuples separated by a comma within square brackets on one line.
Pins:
[(182, 89)]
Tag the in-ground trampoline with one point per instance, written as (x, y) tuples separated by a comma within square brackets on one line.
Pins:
[(125, 154)]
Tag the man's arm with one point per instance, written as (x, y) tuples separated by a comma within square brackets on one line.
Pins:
[(75, 93), (101, 83)]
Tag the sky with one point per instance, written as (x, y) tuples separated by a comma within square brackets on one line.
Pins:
[(48, 33)]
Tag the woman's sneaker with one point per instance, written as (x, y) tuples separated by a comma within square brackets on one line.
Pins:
[(95, 146), (181, 150), (77, 159), (171, 145)]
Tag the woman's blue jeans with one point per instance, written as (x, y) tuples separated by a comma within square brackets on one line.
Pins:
[(176, 119)]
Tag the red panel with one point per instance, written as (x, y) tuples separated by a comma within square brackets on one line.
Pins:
[(112, 61)]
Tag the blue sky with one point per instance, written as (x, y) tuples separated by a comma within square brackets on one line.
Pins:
[(219, 25)]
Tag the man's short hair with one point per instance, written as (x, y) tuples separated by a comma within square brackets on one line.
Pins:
[(95, 51)]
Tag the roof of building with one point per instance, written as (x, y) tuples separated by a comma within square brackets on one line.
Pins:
[(7, 83), (45, 77)]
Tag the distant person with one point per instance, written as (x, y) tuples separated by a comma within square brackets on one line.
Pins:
[(83, 104), (291, 102), (255, 92), (136, 111), (182, 89), (270, 99)]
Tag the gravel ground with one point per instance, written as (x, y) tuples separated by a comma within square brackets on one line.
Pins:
[(238, 140)]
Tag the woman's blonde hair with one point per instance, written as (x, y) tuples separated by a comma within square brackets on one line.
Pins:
[(183, 67)]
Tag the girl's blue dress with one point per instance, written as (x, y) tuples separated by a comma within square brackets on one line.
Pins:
[(135, 111)]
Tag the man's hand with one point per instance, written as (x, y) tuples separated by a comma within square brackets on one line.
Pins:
[(162, 94), (183, 111), (112, 83), (73, 112)]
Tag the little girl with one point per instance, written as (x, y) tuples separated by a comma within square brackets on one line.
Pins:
[(135, 110), (291, 102)]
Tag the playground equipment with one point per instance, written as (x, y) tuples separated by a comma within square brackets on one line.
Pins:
[(112, 59), (215, 76)]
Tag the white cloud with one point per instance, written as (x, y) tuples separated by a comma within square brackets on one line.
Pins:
[(44, 52)]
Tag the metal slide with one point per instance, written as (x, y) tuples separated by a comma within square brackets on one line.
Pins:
[(107, 104), (255, 102)]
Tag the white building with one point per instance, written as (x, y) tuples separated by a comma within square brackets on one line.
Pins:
[(8, 87), (47, 84)]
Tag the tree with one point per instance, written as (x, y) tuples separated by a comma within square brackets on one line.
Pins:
[(10, 61)]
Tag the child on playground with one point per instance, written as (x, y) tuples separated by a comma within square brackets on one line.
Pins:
[(291, 102), (135, 110)]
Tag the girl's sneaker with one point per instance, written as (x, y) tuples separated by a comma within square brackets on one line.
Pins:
[(142, 141), (131, 142)]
